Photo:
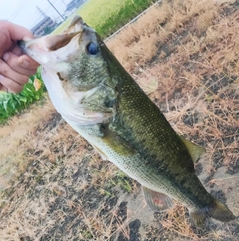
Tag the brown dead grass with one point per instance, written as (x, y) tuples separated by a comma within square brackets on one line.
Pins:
[(184, 54), (16, 138)]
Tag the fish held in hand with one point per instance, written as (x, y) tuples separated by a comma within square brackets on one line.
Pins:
[(101, 101)]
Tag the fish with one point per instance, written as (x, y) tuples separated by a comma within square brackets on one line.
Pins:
[(97, 97)]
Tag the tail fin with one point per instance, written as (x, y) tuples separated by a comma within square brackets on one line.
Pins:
[(217, 210)]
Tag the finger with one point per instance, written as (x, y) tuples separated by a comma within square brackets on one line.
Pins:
[(18, 32), (3, 88), (10, 33), (27, 62), (9, 85), (23, 64), (7, 72), (17, 51), (5, 41), (32, 63)]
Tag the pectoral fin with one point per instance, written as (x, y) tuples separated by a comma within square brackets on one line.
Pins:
[(194, 150), (118, 144), (157, 201)]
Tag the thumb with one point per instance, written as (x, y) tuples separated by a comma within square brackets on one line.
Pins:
[(18, 32), (10, 33)]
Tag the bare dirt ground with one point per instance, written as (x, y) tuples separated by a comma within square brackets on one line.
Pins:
[(54, 186)]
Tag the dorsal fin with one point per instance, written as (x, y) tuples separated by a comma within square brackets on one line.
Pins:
[(194, 150)]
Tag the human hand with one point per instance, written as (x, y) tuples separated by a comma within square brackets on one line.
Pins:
[(15, 66)]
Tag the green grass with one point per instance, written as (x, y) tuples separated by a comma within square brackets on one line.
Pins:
[(107, 16), (11, 104)]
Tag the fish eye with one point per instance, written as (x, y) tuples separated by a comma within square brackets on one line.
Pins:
[(92, 48)]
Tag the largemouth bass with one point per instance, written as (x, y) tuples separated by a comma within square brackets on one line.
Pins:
[(101, 101)]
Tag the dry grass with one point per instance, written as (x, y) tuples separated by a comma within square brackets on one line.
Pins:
[(184, 54), (15, 138)]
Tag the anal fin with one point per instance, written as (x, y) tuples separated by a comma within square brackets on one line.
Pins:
[(157, 201)]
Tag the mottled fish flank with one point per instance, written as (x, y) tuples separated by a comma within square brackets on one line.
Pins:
[(101, 101)]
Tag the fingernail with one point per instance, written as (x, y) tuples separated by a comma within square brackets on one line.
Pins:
[(1, 77), (24, 63), (28, 38), (5, 57)]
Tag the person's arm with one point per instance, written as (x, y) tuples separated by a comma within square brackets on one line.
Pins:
[(15, 67)]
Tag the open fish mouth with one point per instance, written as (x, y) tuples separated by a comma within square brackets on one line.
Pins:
[(49, 49), (52, 49)]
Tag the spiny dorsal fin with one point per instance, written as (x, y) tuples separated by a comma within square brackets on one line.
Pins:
[(194, 150), (157, 201)]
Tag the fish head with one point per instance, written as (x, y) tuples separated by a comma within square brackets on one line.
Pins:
[(73, 67), (75, 55)]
